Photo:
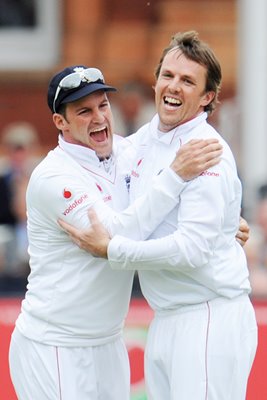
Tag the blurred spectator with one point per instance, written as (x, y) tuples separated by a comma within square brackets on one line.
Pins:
[(256, 246), (262, 192), (132, 108), (258, 271), (20, 143), (261, 221)]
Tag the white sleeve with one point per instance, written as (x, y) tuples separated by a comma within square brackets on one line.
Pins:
[(138, 221), (201, 215), (142, 217)]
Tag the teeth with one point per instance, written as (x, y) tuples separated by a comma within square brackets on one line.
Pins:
[(98, 129), (172, 100)]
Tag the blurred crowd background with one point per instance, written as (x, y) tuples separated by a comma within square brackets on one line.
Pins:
[(124, 38)]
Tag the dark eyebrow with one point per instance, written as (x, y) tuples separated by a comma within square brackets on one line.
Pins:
[(166, 71)]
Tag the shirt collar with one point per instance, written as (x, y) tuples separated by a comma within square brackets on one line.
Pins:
[(86, 157), (167, 137)]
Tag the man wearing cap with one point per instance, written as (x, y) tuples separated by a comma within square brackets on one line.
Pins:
[(67, 343)]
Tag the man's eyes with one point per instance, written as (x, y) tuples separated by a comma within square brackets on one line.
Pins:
[(83, 111), (167, 75), (188, 81)]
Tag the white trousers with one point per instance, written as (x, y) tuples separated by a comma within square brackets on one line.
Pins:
[(41, 372), (202, 352)]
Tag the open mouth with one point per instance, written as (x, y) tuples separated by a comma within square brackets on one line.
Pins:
[(171, 101), (99, 134)]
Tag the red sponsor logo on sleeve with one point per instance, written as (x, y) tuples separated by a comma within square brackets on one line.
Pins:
[(75, 204)]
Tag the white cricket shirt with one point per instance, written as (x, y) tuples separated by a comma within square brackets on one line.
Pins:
[(193, 255), (73, 298)]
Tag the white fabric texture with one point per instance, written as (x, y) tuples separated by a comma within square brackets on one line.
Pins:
[(47, 372), (198, 352)]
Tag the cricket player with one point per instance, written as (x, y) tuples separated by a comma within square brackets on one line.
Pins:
[(202, 341), (67, 343)]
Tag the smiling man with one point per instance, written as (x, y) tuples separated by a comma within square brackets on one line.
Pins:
[(68, 336), (202, 341)]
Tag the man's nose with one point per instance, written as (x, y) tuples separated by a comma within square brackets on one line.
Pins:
[(175, 85), (98, 116)]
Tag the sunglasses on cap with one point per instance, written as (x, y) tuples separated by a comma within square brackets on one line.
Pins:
[(74, 80)]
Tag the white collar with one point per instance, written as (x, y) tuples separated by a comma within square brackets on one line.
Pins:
[(167, 137), (86, 157)]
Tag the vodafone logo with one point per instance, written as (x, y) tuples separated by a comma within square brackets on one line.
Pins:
[(75, 204), (67, 193), (209, 173)]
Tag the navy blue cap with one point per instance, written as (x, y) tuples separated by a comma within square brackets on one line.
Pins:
[(70, 95)]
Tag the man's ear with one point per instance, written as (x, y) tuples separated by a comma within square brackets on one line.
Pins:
[(207, 98), (59, 121)]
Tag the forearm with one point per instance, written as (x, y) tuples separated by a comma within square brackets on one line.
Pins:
[(142, 217), (170, 252), (199, 225)]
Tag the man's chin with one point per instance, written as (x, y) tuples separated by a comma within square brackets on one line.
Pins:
[(102, 155), (103, 149)]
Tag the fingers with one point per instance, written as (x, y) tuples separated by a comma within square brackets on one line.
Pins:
[(202, 143), (201, 151), (71, 230), (242, 235), (243, 225), (196, 156), (241, 238), (211, 162), (92, 215), (209, 151), (74, 234), (241, 242), (209, 155)]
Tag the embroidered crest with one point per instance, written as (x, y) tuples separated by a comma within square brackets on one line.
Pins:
[(128, 181)]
